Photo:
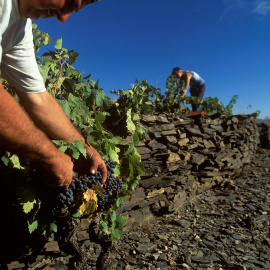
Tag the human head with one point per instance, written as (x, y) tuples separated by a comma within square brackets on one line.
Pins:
[(61, 9), (177, 71)]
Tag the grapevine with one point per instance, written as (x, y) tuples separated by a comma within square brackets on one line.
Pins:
[(73, 197)]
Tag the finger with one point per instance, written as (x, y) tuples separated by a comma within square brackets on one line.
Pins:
[(104, 173), (53, 183), (92, 171)]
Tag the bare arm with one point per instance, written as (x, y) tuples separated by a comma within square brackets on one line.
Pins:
[(187, 76), (47, 114), (20, 136)]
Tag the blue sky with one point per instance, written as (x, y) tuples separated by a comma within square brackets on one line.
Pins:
[(227, 42)]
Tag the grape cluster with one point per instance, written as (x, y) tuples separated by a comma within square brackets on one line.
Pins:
[(66, 197), (112, 186), (72, 196), (59, 96), (108, 198)]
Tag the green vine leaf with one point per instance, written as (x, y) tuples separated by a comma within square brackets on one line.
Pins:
[(28, 206), (136, 161), (115, 140), (27, 194), (53, 227), (121, 200), (16, 162), (114, 156), (100, 117), (58, 44), (78, 145), (63, 148), (136, 117), (130, 149), (75, 147), (116, 171), (5, 160), (32, 226), (65, 106), (75, 152), (104, 227), (77, 214), (44, 70), (133, 183), (117, 225)]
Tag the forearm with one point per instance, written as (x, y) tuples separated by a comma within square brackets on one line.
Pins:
[(48, 115), (18, 134), (187, 77)]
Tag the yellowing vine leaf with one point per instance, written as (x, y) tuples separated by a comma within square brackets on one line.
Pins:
[(90, 195), (88, 208), (130, 125), (90, 204), (98, 189)]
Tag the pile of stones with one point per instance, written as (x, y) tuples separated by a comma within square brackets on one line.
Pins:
[(225, 228), (185, 156)]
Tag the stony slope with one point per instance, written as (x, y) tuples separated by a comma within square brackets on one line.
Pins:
[(225, 228)]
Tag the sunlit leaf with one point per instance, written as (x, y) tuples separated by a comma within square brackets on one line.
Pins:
[(32, 226), (16, 162), (90, 195), (28, 206), (114, 156), (58, 44)]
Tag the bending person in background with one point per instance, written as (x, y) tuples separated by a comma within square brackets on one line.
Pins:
[(29, 135), (196, 83)]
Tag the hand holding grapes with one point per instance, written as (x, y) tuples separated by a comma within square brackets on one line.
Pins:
[(92, 163), (96, 162), (60, 167)]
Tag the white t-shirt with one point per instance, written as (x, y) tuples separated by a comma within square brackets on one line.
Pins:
[(17, 56)]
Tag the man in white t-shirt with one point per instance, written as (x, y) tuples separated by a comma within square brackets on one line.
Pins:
[(29, 135)]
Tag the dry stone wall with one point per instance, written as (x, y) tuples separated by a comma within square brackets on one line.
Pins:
[(183, 156), (264, 130), (186, 155)]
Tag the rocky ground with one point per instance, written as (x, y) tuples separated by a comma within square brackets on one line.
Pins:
[(225, 228)]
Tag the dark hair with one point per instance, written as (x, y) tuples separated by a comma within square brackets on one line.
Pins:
[(176, 69)]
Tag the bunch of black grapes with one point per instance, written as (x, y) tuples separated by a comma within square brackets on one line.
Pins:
[(59, 96), (72, 197), (112, 186)]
